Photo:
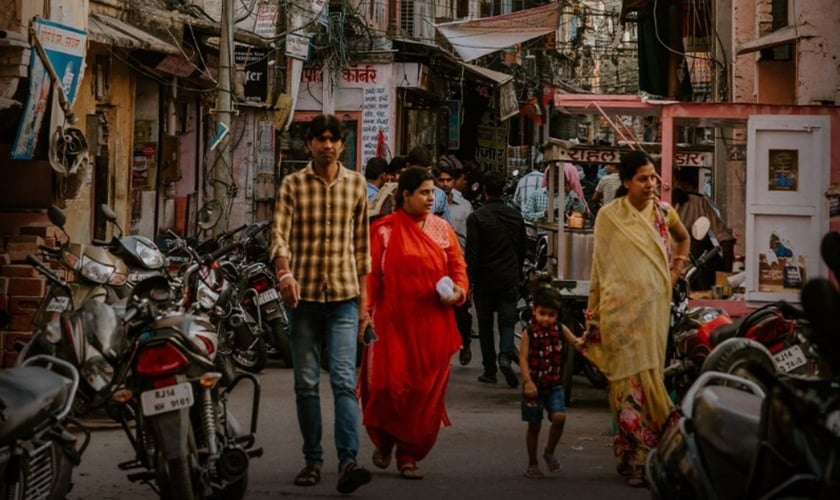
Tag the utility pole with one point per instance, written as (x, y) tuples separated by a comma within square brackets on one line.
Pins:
[(223, 166)]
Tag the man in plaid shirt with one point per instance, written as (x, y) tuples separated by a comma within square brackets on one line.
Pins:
[(320, 254)]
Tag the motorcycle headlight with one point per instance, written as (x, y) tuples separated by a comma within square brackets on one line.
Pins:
[(150, 255), (95, 271)]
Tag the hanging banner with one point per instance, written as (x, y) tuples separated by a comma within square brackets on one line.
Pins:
[(65, 50), (474, 38)]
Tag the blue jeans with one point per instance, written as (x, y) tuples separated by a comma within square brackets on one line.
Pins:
[(502, 302), (338, 324)]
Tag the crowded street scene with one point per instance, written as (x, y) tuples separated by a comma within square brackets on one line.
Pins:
[(399, 249)]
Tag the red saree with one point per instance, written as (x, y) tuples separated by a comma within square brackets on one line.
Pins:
[(404, 374)]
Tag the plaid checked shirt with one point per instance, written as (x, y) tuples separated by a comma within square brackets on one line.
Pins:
[(323, 231)]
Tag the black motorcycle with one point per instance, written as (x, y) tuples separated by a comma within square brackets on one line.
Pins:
[(766, 435), (187, 443), (39, 445)]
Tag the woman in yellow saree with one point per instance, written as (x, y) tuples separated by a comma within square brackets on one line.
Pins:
[(640, 249)]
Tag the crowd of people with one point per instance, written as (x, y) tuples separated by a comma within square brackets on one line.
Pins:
[(418, 238)]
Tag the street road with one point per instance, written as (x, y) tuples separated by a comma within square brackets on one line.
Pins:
[(482, 455)]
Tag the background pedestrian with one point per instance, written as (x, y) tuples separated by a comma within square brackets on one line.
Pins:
[(496, 243)]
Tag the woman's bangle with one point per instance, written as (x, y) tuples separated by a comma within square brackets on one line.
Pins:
[(284, 277), (682, 258)]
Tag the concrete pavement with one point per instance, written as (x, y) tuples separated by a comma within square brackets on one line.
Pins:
[(482, 455)]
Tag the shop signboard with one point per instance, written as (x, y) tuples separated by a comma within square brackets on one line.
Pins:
[(255, 62), (492, 145)]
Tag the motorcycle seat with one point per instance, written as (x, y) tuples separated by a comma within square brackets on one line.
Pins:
[(28, 395), (725, 331), (727, 421)]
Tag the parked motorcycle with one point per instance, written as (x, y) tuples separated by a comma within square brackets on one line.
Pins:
[(186, 440), (780, 327), (689, 333), (258, 280), (142, 256), (39, 441), (98, 276), (769, 435)]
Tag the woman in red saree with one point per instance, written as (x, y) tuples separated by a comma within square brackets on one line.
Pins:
[(405, 373)]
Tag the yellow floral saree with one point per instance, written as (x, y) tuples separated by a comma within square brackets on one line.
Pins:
[(629, 302)]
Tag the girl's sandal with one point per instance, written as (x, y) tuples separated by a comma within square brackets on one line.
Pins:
[(551, 462), (381, 460), (411, 471), (534, 472)]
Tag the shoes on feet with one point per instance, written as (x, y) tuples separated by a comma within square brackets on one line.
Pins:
[(487, 379), (381, 460), (510, 377), (466, 355), (351, 477), (411, 471)]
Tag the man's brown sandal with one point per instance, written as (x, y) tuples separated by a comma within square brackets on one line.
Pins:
[(309, 475)]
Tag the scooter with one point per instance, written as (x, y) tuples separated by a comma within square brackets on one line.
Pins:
[(764, 435), (39, 445)]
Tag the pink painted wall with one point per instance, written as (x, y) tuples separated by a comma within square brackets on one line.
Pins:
[(817, 56)]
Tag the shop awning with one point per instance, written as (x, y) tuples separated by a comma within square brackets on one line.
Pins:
[(110, 31), (781, 36), (496, 77), (474, 38)]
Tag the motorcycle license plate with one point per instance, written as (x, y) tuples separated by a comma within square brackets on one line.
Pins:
[(58, 304), (268, 296), (790, 359), (165, 399)]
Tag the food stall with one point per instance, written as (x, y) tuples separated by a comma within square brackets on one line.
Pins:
[(776, 143)]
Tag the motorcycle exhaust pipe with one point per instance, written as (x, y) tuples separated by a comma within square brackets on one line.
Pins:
[(233, 463), (242, 332)]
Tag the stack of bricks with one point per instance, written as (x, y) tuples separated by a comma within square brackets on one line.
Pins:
[(21, 287)]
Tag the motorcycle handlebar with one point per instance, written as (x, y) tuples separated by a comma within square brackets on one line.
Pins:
[(220, 253), (43, 269), (101, 243), (707, 256)]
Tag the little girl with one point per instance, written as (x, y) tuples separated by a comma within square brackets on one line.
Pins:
[(541, 352)]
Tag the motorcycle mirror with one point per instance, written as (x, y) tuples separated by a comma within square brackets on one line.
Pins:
[(110, 216), (700, 228), (108, 212), (209, 214), (56, 216)]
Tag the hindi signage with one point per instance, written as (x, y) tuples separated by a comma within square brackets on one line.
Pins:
[(297, 46)]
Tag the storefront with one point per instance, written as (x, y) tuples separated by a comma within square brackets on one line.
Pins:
[(777, 179)]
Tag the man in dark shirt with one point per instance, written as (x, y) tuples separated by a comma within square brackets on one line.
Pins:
[(495, 254)]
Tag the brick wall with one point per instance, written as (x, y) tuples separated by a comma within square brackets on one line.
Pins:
[(21, 286)]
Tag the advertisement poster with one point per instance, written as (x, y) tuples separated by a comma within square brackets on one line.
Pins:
[(832, 194), (143, 165), (783, 168), (782, 261), (255, 62), (65, 49), (491, 151)]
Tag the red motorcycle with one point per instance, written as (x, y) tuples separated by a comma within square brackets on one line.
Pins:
[(689, 336), (781, 328)]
